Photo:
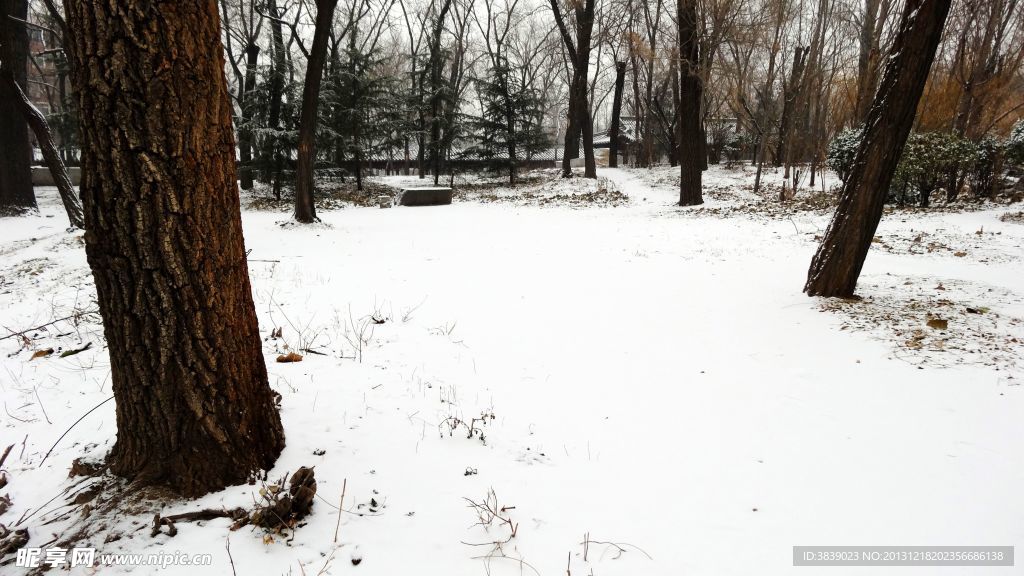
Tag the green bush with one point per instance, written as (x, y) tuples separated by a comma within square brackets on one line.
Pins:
[(932, 160), (1015, 144), (842, 151)]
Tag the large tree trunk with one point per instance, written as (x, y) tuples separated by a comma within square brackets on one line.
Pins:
[(164, 241), (36, 120), (840, 257), (305, 210), (16, 194), (613, 132), (691, 135)]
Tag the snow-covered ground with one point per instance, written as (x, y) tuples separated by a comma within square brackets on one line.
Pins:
[(651, 380)]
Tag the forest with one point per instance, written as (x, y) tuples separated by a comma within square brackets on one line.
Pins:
[(582, 287)]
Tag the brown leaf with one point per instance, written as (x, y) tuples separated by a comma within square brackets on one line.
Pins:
[(41, 354), (290, 357), (960, 254), (938, 323)]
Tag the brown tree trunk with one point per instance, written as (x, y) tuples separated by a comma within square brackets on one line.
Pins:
[(164, 241), (16, 194), (840, 257), (691, 135), (36, 120), (613, 132), (305, 210)]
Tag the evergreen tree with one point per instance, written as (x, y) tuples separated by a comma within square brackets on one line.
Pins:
[(508, 129)]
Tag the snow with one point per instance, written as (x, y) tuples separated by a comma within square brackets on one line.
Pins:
[(657, 379)]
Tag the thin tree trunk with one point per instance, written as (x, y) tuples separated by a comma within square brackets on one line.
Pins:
[(690, 95), (791, 93), (305, 209), (585, 29), (613, 132), (164, 241), (867, 59), (16, 193), (272, 149), (436, 99), (252, 54), (580, 121), (840, 257), (36, 120)]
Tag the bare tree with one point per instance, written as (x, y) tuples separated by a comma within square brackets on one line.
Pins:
[(580, 122), (305, 209)]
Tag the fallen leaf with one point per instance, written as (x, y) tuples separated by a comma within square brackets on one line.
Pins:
[(41, 354), (938, 323), (290, 357), (960, 254)]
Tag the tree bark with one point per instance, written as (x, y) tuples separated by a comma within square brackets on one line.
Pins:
[(164, 241), (305, 210), (691, 136), (16, 194), (840, 257)]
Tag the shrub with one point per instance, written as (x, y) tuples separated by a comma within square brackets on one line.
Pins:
[(842, 151), (1014, 145)]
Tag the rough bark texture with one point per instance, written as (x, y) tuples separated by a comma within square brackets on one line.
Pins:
[(840, 257), (613, 132), (305, 210), (16, 194), (164, 241), (691, 136), (36, 120)]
